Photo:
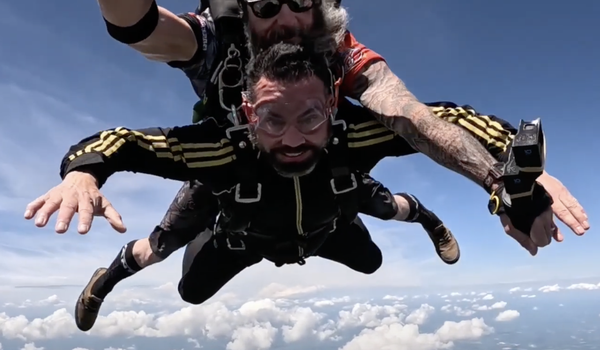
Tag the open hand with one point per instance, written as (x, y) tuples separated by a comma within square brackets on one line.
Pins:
[(77, 193), (566, 207)]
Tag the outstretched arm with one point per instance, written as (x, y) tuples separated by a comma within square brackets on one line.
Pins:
[(180, 153), (154, 31), (382, 92), (494, 133), (170, 153)]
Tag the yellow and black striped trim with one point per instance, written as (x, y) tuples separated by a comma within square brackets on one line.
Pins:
[(195, 155), (481, 126), (368, 134)]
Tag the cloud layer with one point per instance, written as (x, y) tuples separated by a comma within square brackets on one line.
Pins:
[(300, 315)]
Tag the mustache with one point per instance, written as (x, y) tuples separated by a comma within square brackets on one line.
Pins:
[(282, 34), (299, 149)]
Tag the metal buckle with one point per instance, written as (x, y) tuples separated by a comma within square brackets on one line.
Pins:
[(334, 224), (341, 122), (242, 245), (233, 129), (239, 199), (352, 187), (232, 54)]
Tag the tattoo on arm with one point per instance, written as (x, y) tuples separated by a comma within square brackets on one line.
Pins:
[(386, 96)]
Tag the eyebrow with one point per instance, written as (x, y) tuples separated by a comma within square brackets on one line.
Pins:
[(307, 112)]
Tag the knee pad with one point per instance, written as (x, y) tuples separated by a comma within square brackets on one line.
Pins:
[(377, 200), (164, 242)]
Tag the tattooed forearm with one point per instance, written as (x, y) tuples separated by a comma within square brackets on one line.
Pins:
[(447, 144), (387, 97)]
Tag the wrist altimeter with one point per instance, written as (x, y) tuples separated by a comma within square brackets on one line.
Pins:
[(519, 195)]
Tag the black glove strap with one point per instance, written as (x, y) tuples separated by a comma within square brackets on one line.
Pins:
[(522, 212)]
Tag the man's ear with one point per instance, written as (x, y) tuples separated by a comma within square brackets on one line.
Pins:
[(336, 92), (248, 108)]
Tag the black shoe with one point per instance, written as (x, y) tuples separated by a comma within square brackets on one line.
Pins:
[(88, 305)]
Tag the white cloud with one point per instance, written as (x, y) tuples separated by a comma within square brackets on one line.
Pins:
[(424, 296), (584, 286), (407, 337), (457, 310), (420, 315), (394, 297), (31, 346), (255, 337), (304, 321), (528, 296), (318, 302), (498, 305), (495, 306), (488, 297), (466, 300), (52, 300), (276, 290), (507, 315), (519, 289), (549, 289), (256, 324), (369, 315)]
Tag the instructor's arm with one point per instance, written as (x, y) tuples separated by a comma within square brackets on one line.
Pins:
[(154, 31), (169, 153)]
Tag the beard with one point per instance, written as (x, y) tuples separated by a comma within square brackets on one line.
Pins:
[(294, 169), (318, 34)]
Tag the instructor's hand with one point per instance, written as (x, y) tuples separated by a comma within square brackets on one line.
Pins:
[(77, 193), (566, 207), (542, 232)]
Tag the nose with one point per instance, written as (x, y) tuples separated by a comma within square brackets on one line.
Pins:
[(292, 137), (286, 17)]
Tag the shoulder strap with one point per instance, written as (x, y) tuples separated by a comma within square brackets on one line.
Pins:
[(247, 193), (344, 183), (224, 90), (220, 9)]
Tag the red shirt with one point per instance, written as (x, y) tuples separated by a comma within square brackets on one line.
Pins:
[(355, 56)]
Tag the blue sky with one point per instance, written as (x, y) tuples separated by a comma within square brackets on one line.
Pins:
[(62, 78)]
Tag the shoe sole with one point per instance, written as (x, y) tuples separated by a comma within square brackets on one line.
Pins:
[(79, 303)]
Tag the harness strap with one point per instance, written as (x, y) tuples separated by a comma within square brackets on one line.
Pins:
[(223, 94), (344, 185), (279, 250), (343, 181), (247, 193)]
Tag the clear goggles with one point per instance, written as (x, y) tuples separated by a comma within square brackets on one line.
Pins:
[(274, 123)]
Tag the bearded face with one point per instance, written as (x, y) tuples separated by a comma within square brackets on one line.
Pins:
[(291, 123), (324, 26)]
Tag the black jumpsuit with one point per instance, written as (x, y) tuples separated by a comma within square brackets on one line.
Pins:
[(289, 207), (195, 207)]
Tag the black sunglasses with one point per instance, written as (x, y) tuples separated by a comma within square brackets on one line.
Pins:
[(270, 8)]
